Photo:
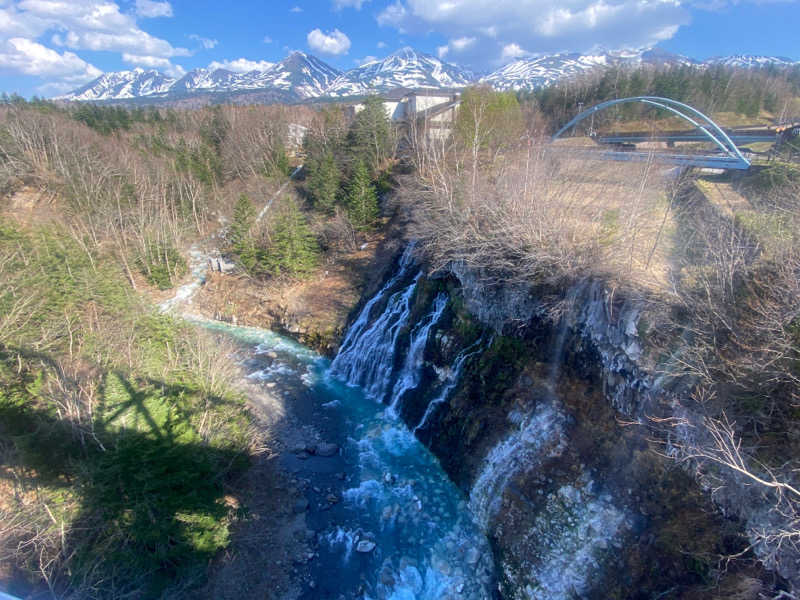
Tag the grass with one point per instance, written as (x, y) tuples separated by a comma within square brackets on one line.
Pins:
[(118, 426)]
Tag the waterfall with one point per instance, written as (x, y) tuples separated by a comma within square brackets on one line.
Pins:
[(409, 376), (538, 436), (367, 359), (452, 380), (361, 323)]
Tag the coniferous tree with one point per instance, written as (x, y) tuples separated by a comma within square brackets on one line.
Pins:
[(362, 200), (294, 249), (241, 238), (369, 138), (323, 182)]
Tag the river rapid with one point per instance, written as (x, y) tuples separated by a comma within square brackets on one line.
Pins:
[(388, 522)]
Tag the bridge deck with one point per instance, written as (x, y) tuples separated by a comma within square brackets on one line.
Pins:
[(636, 138), (686, 160)]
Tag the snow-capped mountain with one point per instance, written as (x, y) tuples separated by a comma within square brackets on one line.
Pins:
[(301, 76), (304, 74), (122, 85), (405, 68), (750, 61), (541, 71), (206, 80)]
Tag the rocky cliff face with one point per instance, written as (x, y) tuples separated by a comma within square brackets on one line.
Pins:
[(542, 425), (601, 346)]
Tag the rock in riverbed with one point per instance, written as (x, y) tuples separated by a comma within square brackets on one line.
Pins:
[(325, 449), (365, 546)]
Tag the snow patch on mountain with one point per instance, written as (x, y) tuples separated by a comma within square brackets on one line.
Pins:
[(302, 76), (541, 71), (405, 68), (751, 61), (122, 85)]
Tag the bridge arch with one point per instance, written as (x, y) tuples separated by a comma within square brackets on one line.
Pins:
[(684, 111)]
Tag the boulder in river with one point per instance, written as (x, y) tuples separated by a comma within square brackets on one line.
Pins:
[(325, 449), (365, 546)]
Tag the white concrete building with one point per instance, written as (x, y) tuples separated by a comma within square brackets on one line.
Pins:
[(433, 110)]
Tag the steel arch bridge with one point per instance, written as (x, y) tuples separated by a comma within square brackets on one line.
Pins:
[(728, 155)]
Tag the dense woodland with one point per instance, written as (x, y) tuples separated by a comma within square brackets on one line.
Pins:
[(121, 430)]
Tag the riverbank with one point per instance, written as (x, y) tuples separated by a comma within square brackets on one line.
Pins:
[(313, 310), (268, 536)]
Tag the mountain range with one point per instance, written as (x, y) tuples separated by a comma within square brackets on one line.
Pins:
[(302, 76)]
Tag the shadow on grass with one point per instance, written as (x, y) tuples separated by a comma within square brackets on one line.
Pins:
[(146, 504)]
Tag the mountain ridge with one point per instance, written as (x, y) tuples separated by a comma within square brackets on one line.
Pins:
[(302, 76)]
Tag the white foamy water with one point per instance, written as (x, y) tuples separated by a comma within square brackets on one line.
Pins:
[(368, 360), (535, 438), (409, 376), (451, 382)]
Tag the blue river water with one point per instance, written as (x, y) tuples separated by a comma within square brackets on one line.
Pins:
[(388, 522)]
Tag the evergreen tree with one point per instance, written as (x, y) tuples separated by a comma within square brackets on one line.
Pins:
[(323, 182), (362, 201), (241, 238), (215, 129), (369, 138), (294, 249)]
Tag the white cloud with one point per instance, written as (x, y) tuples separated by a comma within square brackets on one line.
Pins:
[(242, 65), (150, 9), (207, 43), (462, 43), (97, 25), (340, 4), (267, 39), (334, 42), (457, 45), (381, 44), (488, 32), (28, 57), (513, 51), (73, 25), (154, 62), (296, 9), (394, 14), (365, 60)]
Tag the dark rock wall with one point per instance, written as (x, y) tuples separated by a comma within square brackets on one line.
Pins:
[(579, 502)]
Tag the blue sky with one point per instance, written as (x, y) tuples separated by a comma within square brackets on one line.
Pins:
[(51, 46)]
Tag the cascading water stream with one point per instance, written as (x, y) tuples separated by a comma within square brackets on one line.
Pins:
[(409, 376), (570, 532), (535, 438), (452, 380), (361, 323), (368, 361)]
